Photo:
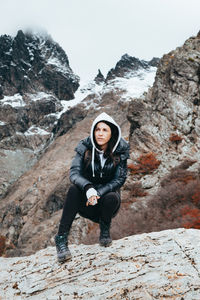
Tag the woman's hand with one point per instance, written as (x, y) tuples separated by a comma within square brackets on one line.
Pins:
[(92, 200)]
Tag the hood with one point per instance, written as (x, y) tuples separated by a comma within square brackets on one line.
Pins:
[(102, 117)]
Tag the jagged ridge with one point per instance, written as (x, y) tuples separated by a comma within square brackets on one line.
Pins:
[(32, 63)]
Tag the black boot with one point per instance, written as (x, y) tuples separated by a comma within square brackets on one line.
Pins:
[(63, 252), (105, 239)]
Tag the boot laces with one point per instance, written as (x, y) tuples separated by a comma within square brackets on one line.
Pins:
[(61, 243)]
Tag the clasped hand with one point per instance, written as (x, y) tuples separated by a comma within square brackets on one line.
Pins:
[(92, 200)]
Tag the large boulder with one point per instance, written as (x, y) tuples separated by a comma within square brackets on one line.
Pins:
[(162, 265)]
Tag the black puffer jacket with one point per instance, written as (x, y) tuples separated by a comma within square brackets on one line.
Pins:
[(108, 179)]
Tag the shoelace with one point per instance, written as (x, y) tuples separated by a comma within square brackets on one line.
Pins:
[(62, 248), (105, 234)]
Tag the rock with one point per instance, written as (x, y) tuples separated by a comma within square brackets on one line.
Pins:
[(69, 119), (164, 124), (34, 76), (32, 63), (99, 78), (161, 265), (154, 62), (170, 107), (129, 64)]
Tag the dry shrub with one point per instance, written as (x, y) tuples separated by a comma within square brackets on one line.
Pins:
[(179, 174), (5, 245), (175, 205), (2, 244), (175, 138), (191, 217), (178, 201), (146, 164), (136, 190)]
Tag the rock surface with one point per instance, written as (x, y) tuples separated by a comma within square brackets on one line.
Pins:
[(166, 120), (162, 265)]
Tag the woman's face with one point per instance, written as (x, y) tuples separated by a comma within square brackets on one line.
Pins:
[(102, 134)]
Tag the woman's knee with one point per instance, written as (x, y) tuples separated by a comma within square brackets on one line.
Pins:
[(111, 199), (73, 189), (73, 194)]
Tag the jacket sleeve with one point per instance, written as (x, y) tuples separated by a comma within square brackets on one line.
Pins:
[(76, 176), (117, 181)]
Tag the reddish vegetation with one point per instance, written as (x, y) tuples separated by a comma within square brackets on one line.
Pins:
[(175, 205), (180, 176), (136, 190), (2, 244), (191, 217), (175, 138), (146, 164), (191, 212), (179, 198)]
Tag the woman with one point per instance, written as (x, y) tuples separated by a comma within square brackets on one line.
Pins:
[(98, 171)]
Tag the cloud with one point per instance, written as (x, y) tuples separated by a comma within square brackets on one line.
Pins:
[(96, 33)]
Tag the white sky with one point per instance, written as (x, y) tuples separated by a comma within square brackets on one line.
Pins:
[(96, 33)]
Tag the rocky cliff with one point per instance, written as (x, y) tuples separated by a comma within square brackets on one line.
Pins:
[(35, 79), (128, 65), (30, 63), (162, 265), (165, 143)]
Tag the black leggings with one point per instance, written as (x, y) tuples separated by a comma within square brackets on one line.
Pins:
[(75, 202)]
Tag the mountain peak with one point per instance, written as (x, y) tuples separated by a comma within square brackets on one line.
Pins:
[(99, 78), (129, 64), (29, 62)]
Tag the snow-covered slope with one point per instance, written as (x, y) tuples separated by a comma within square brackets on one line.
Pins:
[(132, 86)]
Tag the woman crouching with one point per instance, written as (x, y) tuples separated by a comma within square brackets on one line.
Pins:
[(98, 170)]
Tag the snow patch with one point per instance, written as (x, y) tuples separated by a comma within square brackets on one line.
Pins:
[(14, 101), (2, 123), (39, 96), (134, 84), (36, 130), (85, 89), (59, 66)]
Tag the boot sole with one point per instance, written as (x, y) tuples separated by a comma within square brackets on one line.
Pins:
[(105, 245), (64, 258)]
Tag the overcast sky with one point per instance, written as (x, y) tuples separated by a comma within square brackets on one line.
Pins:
[(96, 33)]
